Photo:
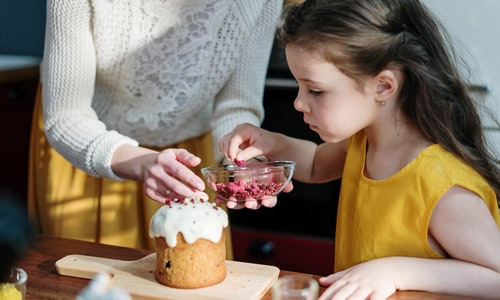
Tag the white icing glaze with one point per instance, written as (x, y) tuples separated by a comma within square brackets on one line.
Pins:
[(194, 219)]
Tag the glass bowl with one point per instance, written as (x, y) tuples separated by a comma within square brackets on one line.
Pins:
[(14, 288), (256, 179)]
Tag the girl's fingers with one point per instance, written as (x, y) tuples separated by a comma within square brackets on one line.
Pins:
[(241, 138), (231, 204), (233, 146), (288, 188), (327, 280), (252, 204), (269, 201), (248, 153)]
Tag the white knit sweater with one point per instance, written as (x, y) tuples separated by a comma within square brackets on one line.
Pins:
[(151, 72)]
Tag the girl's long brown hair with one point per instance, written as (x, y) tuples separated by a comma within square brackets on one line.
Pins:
[(403, 34)]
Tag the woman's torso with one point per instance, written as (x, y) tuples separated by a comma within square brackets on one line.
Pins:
[(160, 65)]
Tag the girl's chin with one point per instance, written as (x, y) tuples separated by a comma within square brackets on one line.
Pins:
[(328, 138)]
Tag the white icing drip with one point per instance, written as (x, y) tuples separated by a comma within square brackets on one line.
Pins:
[(194, 220)]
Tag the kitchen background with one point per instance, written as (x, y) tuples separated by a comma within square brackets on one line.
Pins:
[(298, 233), (22, 27)]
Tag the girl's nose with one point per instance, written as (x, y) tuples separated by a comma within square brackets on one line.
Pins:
[(299, 103)]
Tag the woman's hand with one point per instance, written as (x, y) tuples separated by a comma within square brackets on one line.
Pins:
[(166, 174), (372, 280), (170, 177)]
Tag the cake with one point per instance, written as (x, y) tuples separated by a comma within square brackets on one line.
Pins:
[(190, 243)]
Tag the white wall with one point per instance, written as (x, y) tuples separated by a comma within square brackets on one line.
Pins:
[(475, 25)]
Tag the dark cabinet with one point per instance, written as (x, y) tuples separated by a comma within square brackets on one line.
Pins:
[(288, 251), (17, 95)]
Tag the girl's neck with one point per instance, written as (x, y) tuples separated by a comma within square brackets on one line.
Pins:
[(391, 149)]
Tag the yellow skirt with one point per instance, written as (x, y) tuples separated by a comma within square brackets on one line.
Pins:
[(66, 202)]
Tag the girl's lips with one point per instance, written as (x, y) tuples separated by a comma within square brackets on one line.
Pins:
[(312, 127)]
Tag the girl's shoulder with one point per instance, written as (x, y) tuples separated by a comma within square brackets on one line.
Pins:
[(439, 167), (437, 159)]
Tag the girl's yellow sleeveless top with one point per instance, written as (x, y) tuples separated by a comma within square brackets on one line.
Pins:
[(390, 217)]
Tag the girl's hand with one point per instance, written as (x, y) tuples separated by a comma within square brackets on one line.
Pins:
[(246, 141), (251, 203), (372, 280), (168, 176)]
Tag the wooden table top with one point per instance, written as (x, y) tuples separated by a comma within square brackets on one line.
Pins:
[(45, 283)]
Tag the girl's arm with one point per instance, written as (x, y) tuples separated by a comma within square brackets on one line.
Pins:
[(314, 163), (380, 278), (463, 227)]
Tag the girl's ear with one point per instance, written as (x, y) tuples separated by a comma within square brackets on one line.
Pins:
[(387, 83)]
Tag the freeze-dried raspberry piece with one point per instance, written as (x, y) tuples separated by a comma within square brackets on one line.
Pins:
[(239, 163), (241, 190)]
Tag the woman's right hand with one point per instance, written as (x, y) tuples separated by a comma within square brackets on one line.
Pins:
[(167, 175), (170, 176)]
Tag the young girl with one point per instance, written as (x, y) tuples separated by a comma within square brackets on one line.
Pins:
[(418, 205)]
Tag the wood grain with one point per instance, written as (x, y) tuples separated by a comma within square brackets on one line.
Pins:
[(243, 280)]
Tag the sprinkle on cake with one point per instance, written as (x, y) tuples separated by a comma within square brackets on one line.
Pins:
[(193, 217)]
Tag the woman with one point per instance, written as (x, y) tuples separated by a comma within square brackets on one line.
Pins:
[(133, 94)]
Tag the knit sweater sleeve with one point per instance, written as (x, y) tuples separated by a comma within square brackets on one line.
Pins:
[(68, 78), (241, 98)]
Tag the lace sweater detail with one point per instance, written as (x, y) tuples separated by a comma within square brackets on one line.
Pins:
[(151, 72)]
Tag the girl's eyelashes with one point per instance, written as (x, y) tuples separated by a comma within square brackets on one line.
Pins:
[(315, 92), (309, 90)]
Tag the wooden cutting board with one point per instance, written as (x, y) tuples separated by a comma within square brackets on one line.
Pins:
[(243, 280)]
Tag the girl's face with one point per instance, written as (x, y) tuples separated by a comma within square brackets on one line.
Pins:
[(333, 104)]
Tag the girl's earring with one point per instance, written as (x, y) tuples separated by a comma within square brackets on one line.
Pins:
[(382, 103)]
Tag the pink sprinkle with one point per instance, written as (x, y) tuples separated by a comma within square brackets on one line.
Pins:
[(241, 190), (239, 163)]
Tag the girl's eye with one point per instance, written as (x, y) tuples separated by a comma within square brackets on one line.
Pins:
[(315, 93)]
